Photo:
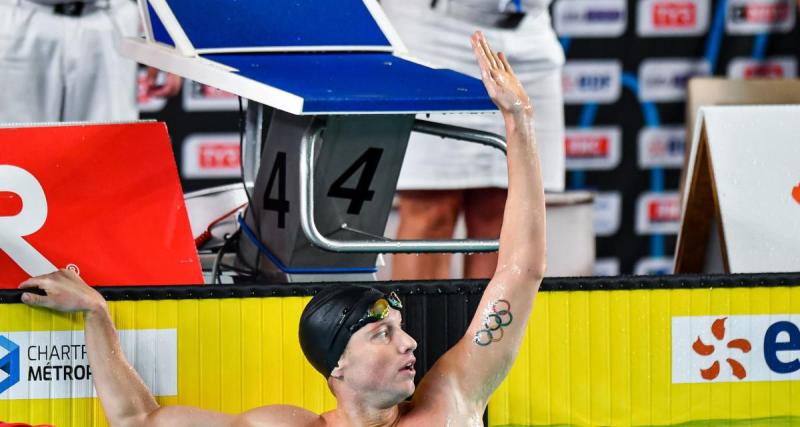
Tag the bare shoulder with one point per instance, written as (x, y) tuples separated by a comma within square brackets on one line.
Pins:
[(279, 416)]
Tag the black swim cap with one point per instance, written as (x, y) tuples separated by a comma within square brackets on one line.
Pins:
[(326, 320)]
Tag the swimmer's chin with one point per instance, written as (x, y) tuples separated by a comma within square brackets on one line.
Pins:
[(410, 392)]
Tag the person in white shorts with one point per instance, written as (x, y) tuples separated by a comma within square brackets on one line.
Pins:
[(442, 178), (58, 62)]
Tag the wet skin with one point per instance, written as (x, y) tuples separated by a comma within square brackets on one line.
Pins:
[(373, 378)]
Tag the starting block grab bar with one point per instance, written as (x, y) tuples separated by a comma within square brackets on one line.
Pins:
[(381, 244)]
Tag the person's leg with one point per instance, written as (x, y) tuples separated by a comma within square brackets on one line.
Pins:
[(426, 214), (483, 212)]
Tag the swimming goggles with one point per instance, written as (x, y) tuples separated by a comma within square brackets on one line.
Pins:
[(378, 311)]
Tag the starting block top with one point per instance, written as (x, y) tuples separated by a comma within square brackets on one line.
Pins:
[(300, 56), (361, 82), (214, 26)]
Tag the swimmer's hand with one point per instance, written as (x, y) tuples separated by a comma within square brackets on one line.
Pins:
[(63, 291), (502, 84)]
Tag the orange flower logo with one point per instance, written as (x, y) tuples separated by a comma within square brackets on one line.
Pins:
[(703, 349), (796, 193)]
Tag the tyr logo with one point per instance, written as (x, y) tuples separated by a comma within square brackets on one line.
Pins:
[(28, 220)]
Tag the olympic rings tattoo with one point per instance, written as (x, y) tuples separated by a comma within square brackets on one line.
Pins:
[(493, 323)]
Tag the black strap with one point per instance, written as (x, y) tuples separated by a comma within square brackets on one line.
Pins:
[(511, 20), (69, 9)]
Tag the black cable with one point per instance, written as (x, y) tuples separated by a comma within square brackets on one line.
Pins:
[(237, 270), (216, 271)]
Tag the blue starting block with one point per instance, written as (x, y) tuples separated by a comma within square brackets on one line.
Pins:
[(333, 96)]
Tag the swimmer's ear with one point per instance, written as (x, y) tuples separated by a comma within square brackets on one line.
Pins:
[(337, 372)]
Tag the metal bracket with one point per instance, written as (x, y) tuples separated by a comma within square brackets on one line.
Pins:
[(306, 184), (250, 155)]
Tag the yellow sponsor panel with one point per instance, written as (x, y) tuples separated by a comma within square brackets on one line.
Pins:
[(605, 358), (233, 355), (590, 358)]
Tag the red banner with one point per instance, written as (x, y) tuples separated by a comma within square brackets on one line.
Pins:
[(103, 200)]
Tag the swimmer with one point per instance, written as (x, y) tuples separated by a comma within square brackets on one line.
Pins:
[(353, 334)]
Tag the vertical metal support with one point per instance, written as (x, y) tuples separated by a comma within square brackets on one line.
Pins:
[(252, 145)]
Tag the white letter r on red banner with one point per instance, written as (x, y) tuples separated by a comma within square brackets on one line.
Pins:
[(28, 221)]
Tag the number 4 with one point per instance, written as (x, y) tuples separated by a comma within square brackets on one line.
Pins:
[(369, 160), (279, 205)]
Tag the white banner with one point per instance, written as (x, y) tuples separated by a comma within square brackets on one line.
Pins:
[(55, 364), (735, 348)]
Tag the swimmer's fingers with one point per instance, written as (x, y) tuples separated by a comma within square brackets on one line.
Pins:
[(483, 60), (488, 72), (496, 62), (502, 85), (64, 291), (487, 51), (504, 61), (34, 299), (497, 65), (37, 300)]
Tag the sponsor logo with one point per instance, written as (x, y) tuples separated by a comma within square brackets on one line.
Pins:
[(211, 156), (762, 13), (675, 15), (49, 215), (759, 16), (735, 348), (592, 81), (661, 147), (703, 349), (607, 213), (671, 18), (665, 80), (590, 18), (55, 364), (147, 104), (200, 97), (653, 266), (658, 213), (606, 267), (9, 364), (772, 68), (592, 148), (26, 189)]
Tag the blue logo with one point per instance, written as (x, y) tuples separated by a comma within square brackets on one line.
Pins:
[(594, 82), (676, 145), (681, 80), (608, 15), (772, 346), (9, 364)]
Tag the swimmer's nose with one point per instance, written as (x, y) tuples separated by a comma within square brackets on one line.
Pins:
[(408, 344)]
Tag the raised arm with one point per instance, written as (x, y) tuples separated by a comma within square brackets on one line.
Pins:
[(125, 398), (481, 359)]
